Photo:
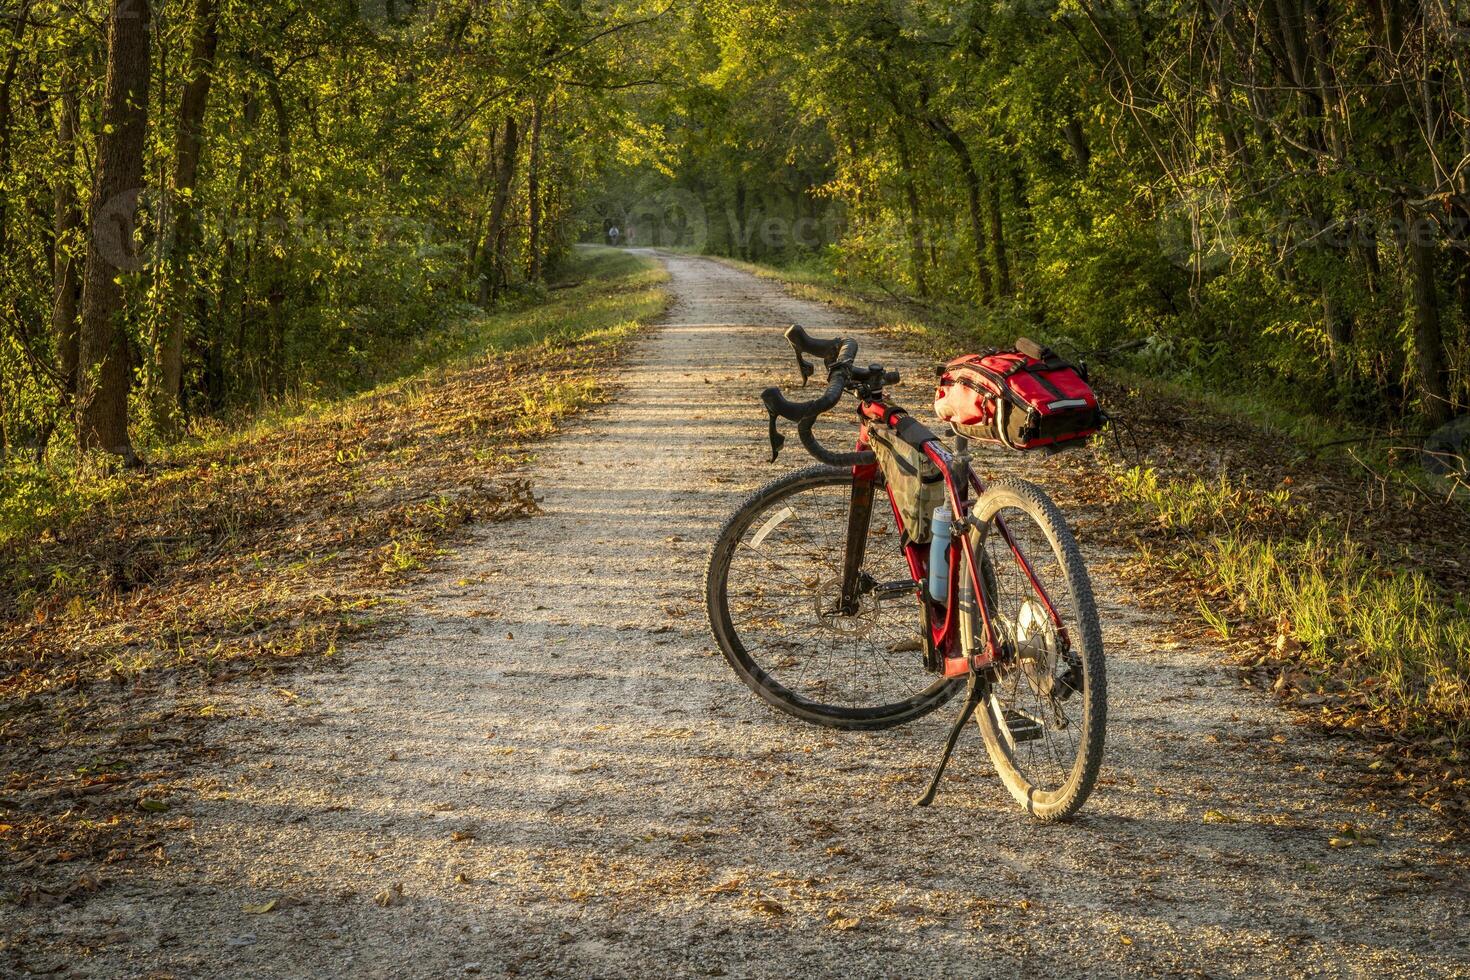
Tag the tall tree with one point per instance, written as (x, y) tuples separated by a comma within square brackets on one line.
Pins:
[(533, 193), (974, 197), (105, 375), (66, 253), (915, 211), (492, 252), (189, 146), (7, 116)]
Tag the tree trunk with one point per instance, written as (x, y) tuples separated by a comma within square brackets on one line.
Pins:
[(490, 252), (276, 285), (533, 192), (998, 241), (741, 236), (753, 244), (1387, 19), (190, 143), (1339, 334), (66, 257), (1462, 292), (973, 198), (1429, 359), (1076, 138), (916, 213), (7, 83), (477, 225), (226, 308), (104, 373)]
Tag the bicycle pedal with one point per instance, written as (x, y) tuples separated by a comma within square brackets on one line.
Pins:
[(1023, 727), (1070, 682)]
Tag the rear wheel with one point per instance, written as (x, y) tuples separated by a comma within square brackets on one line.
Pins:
[(773, 593), (1046, 709)]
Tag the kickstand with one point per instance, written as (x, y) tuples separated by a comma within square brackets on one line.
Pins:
[(972, 701)]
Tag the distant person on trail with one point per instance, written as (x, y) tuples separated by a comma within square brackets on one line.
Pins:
[(612, 235)]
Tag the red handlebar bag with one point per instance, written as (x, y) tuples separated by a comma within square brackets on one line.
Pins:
[(1025, 398)]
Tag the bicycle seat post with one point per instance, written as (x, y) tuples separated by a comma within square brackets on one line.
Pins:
[(961, 456)]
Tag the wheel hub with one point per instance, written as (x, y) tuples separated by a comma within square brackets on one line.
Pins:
[(828, 599), (1038, 653), (1037, 646)]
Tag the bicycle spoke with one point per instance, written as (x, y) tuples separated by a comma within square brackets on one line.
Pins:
[(1029, 685), (783, 591)]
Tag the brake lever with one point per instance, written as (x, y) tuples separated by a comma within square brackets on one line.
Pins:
[(777, 439), (804, 366)]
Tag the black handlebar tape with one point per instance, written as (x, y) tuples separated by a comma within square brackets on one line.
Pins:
[(827, 350), (846, 354), (796, 411), (809, 440)]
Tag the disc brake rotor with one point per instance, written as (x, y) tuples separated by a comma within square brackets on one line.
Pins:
[(1039, 655), (828, 598), (1036, 646)]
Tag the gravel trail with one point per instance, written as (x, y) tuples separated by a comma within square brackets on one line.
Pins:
[(550, 771)]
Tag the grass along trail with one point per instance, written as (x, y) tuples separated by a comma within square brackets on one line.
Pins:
[(128, 602), (547, 769)]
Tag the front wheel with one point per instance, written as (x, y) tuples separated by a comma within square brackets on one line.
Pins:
[(773, 590), (1044, 717)]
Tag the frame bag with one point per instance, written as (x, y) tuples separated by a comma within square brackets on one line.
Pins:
[(1027, 398), (914, 483)]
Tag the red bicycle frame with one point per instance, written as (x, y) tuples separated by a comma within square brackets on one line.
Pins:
[(942, 618)]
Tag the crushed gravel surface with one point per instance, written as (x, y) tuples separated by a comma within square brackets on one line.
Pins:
[(549, 770)]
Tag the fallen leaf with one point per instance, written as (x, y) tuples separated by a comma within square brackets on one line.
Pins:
[(725, 888), (152, 805), (263, 907), (769, 906), (1216, 816), (1350, 836)]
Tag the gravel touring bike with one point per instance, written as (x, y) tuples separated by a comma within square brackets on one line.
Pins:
[(850, 614)]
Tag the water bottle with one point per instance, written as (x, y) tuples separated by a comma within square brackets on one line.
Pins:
[(939, 555)]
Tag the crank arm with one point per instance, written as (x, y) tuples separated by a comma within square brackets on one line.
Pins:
[(895, 590)]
